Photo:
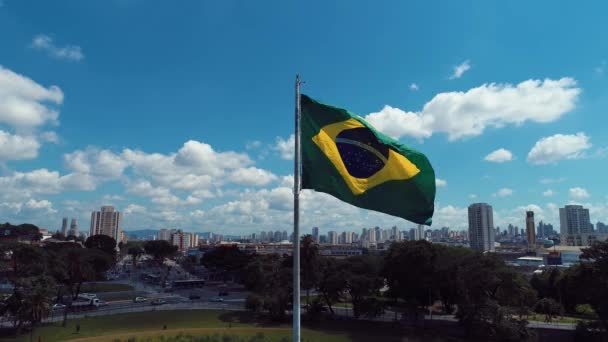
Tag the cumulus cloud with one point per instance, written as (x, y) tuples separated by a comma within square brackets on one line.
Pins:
[(499, 156), (25, 104), (103, 164), (577, 193), (549, 150), (69, 52), (17, 147), (414, 87), (460, 69), (467, 114), (504, 192), (285, 147), (440, 183), (472, 196), (134, 209), (548, 193), (252, 176), (49, 136)]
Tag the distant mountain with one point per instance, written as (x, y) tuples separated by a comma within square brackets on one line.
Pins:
[(141, 233)]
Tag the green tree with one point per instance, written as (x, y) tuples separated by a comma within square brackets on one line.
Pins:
[(103, 243), (363, 282), (309, 265), (548, 307), (135, 252), (409, 268), (159, 249), (332, 281)]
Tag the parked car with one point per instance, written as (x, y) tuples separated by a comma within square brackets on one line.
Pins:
[(216, 299), (59, 306), (139, 299), (158, 301), (87, 295), (194, 296), (102, 303)]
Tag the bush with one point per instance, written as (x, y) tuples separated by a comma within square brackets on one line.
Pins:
[(254, 303), (548, 307)]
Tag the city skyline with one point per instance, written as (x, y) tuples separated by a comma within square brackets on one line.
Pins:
[(175, 136)]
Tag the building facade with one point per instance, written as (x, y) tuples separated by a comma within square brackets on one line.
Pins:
[(106, 222), (481, 227)]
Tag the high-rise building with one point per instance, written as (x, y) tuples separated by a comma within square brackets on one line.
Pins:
[(481, 227), (106, 222), (165, 234), (601, 228), (73, 228), (64, 227), (181, 240), (530, 234), (394, 234), (413, 235), (575, 226), (315, 234), (332, 238), (284, 236), (277, 236), (574, 219), (420, 235)]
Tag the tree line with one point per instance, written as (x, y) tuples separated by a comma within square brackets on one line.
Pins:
[(490, 299)]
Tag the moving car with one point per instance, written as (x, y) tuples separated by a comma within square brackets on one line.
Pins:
[(216, 299), (158, 301), (59, 306), (139, 299)]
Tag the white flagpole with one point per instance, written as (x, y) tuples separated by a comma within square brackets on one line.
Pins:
[(296, 218)]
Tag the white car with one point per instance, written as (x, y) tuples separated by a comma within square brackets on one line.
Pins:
[(216, 299), (87, 295), (59, 306), (139, 299)]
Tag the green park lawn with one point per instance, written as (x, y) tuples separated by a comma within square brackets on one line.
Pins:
[(105, 287), (124, 327)]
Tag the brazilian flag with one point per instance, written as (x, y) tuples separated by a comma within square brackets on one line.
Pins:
[(344, 156)]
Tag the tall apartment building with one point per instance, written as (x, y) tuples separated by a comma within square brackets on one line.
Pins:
[(165, 234), (575, 226), (530, 233), (332, 238), (181, 240), (481, 227), (315, 234), (106, 222), (73, 228), (420, 232), (64, 226)]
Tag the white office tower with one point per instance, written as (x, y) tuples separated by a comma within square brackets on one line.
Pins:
[(481, 227), (106, 222)]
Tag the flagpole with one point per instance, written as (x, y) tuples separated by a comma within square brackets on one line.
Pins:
[(296, 218)]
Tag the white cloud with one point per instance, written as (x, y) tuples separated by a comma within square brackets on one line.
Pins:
[(459, 70), (548, 193), (285, 147), (472, 196), (552, 180), (414, 87), (252, 176), (68, 52), (24, 104), (134, 209), (467, 114), (252, 145), (578, 193), (103, 164), (549, 150), (49, 136), (42, 204), (17, 147), (499, 156), (440, 183), (504, 192)]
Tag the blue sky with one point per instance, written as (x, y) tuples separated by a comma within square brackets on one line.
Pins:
[(180, 114)]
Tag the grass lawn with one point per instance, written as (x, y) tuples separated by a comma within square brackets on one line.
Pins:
[(559, 319), (105, 287), (210, 322)]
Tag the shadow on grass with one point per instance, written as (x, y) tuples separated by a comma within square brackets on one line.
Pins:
[(356, 330)]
